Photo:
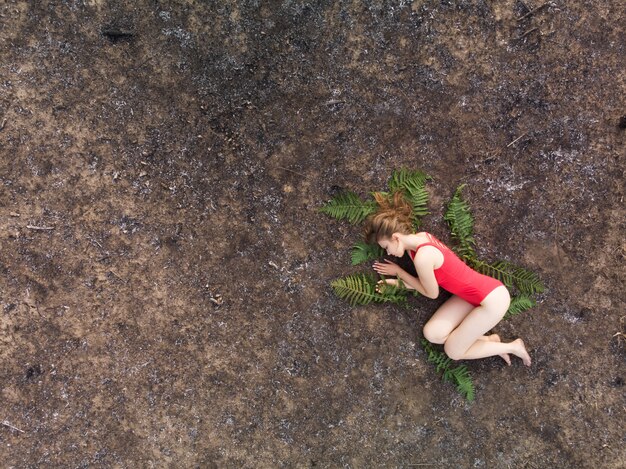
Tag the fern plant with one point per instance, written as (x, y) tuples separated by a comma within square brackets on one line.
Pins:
[(349, 206), (461, 223), (519, 304), (398, 292), (413, 183), (363, 252), (526, 282), (459, 375), (361, 289)]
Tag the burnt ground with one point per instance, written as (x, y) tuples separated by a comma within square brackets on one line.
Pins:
[(165, 271)]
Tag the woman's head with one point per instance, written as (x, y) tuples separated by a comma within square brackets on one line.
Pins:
[(392, 217)]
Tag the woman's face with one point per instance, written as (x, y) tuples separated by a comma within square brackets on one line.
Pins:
[(392, 246)]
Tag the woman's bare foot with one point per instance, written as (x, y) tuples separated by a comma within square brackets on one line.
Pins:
[(519, 350), (504, 356)]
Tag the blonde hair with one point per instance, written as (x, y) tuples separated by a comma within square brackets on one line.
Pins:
[(392, 216)]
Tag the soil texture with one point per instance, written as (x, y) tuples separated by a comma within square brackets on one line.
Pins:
[(165, 271)]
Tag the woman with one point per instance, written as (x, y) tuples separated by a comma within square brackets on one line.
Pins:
[(478, 302)]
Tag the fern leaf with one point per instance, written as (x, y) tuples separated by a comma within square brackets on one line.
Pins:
[(405, 178), (357, 289), (442, 363), (525, 281), (360, 289), (463, 381), (500, 270), (519, 303), (461, 223), (349, 206), (393, 293), (419, 202), (459, 376), (413, 184), (363, 252)]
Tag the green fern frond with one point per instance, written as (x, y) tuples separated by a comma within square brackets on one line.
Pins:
[(463, 381), (413, 184), (349, 205), (363, 252), (519, 304), (393, 293), (500, 270), (419, 202), (461, 223), (525, 281), (459, 376), (407, 179), (357, 289), (442, 364), (360, 289)]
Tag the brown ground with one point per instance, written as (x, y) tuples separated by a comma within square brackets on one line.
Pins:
[(182, 166)]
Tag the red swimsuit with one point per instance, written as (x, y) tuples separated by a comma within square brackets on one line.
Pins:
[(457, 277)]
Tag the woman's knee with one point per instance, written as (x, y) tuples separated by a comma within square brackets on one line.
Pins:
[(434, 334), (452, 351)]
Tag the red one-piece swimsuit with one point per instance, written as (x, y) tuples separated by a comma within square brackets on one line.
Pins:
[(457, 277)]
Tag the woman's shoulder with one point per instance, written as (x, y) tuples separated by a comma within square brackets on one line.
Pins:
[(428, 247), (426, 238), (428, 255)]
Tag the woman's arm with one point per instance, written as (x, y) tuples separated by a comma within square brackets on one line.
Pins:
[(392, 269), (425, 261)]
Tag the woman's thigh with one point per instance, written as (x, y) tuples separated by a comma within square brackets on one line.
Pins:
[(446, 319), (479, 321)]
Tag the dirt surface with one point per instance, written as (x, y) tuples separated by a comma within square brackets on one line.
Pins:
[(165, 272)]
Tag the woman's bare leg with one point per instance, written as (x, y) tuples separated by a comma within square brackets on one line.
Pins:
[(496, 338), (446, 319), (466, 342)]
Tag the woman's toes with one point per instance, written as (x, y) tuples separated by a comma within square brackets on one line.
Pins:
[(522, 352)]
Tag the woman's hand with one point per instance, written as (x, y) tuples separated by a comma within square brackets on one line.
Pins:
[(387, 268), (380, 285)]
